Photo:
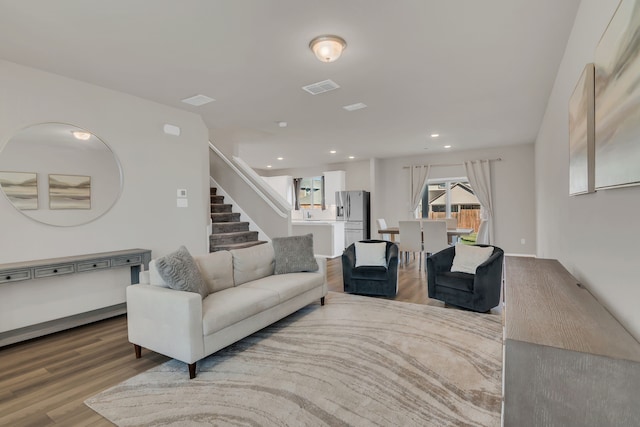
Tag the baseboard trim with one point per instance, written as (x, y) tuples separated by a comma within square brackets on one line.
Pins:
[(57, 325)]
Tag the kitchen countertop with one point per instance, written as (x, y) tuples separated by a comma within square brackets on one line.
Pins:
[(315, 222)]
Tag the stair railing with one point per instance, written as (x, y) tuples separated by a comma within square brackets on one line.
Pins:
[(277, 204)]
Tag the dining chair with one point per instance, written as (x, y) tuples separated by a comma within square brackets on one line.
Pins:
[(410, 239), (452, 223), (434, 236), (382, 224)]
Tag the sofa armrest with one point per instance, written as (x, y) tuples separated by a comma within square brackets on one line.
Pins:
[(322, 266), (392, 261), (438, 263), (490, 271), (166, 321)]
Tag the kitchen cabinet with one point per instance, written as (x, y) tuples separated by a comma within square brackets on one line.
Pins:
[(333, 181), (328, 236)]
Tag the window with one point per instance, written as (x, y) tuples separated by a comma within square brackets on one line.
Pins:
[(309, 192), (451, 198)]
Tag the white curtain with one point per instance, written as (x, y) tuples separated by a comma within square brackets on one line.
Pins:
[(418, 176), (479, 174)]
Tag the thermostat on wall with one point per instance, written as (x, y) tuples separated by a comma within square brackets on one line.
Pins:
[(171, 130)]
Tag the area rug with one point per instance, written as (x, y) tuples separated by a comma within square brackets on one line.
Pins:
[(357, 361)]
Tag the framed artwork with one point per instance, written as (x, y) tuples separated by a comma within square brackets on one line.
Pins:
[(21, 188), (582, 134), (69, 192), (617, 99)]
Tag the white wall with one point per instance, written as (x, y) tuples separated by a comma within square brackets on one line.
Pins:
[(595, 236), (356, 173), (154, 165), (512, 182)]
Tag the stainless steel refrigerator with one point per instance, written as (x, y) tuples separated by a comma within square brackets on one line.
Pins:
[(353, 208)]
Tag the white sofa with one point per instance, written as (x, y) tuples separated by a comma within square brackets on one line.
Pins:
[(244, 296)]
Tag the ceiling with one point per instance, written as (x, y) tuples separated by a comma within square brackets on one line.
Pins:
[(478, 73)]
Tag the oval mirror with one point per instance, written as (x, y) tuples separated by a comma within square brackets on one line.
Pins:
[(59, 174)]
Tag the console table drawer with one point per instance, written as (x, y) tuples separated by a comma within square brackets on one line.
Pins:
[(134, 259), (93, 265), (54, 270), (14, 276)]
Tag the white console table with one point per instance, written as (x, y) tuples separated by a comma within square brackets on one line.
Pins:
[(43, 268)]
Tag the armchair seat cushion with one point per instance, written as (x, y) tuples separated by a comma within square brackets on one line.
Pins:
[(455, 280), (369, 273)]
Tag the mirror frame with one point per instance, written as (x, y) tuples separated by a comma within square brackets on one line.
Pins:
[(57, 218)]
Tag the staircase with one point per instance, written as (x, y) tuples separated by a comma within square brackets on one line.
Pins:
[(228, 232)]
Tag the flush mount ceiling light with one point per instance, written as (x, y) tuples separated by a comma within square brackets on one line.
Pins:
[(328, 48)]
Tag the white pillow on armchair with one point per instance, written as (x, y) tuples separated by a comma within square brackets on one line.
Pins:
[(468, 258)]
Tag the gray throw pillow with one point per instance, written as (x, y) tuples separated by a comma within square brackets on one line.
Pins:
[(181, 273), (294, 254)]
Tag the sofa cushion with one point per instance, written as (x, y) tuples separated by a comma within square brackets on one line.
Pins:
[(468, 258), (455, 280), (294, 254), (216, 269), (287, 285), (179, 270), (252, 263), (371, 254), (154, 275), (229, 306)]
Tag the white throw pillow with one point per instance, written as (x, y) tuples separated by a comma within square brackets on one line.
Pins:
[(371, 254), (468, 258)]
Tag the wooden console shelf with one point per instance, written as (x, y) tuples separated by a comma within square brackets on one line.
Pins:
[(567, 360), (37, 269)]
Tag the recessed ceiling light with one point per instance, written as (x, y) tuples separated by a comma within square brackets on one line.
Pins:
[(333, 151), (447, 146), (353, 107), (352, 157), (282, 124), (198, 100), (280, 158), (269, 166), (435, 135)]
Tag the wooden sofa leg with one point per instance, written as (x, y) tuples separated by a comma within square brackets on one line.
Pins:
[(138, 351), (192, 370), (322, 301)]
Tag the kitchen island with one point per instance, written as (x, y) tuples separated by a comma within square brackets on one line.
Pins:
[(328, 236)]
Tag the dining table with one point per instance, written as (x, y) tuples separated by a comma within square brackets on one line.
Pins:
[(451, 232)]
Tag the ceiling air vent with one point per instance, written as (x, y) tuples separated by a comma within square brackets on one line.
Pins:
[(198, 100), (321, 87)]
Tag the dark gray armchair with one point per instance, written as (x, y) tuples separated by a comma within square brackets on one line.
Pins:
[(371, 280), (477, 292)]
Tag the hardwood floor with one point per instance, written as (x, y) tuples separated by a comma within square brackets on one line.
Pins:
[(45, 381)]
